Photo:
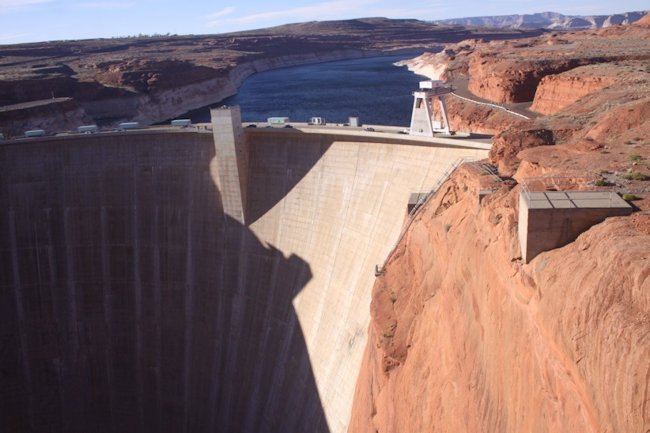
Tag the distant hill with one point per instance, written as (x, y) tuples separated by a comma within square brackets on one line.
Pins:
[(547, 20)]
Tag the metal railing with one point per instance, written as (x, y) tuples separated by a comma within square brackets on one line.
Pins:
[(487, 104), (560, 183), (379, 270)]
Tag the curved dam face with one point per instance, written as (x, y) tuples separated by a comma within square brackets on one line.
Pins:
[(132, 302)]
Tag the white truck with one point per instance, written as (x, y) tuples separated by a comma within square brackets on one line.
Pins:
[(277, 121)]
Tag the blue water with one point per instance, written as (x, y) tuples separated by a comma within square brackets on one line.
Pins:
[(372, 89)]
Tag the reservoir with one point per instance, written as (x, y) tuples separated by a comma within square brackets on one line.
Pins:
[(372, 88)]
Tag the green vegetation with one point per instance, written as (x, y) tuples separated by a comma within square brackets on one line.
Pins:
[(447, 227), (630, 197), (636, 158), (601, 182), (635, 175)]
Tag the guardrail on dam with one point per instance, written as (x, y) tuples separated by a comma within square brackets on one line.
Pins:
[(131, 302)]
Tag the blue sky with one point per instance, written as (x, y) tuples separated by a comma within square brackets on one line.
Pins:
[(41, 20)]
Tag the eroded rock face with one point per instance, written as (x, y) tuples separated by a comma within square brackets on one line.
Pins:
[(466, 338), (466, 116), (555, 92), (507, 145), (497, 80)]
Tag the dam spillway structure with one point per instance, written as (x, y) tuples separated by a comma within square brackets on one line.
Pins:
[(135, 297)]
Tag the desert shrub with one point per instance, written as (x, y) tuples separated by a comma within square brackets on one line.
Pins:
[(630, 197), (635, 175), (636, 158)]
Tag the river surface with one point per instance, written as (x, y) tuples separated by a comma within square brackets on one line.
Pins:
[(373, 89)]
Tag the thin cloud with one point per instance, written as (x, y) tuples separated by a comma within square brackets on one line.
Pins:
[(13, 5), (324, 10), (107, 6), (222, 13)]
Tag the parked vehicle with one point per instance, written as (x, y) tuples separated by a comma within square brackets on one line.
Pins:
[(277, 121), (35, 133), (181, 122), (87, 129), (128, 125)]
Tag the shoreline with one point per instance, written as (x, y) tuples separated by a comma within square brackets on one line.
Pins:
[(201, 110)]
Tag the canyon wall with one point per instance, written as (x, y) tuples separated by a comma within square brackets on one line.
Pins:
[(556, 92), (193, 87), (465, 337), (177, 100)]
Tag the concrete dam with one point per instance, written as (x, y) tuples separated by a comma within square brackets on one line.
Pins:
[(133, 299)]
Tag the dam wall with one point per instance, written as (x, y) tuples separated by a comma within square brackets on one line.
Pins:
[(131, 302)]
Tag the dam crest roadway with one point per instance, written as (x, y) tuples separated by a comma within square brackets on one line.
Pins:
[(210, 278)]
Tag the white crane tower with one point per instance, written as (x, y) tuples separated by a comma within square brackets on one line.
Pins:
[(427, 118)]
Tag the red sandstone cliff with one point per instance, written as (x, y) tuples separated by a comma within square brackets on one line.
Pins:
[(465, 338), (556, 92)]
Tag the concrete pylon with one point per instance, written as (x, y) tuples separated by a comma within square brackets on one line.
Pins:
[(231, 154), (425, 119)]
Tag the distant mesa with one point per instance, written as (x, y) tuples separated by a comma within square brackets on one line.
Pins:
[(547, 20)]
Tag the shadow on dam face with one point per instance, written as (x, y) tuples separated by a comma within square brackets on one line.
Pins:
[(130, 303)]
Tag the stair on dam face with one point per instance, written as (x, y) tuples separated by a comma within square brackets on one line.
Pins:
[(131, 302)]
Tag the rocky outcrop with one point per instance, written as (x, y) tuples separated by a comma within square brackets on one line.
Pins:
[(555, 92), (59, 114), (626, 122), (494, 79), (449, 64), (507, 145), (464, 337), (469, 116)]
